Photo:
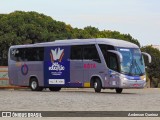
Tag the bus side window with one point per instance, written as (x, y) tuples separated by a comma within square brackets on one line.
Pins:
[(104, 48), (13, 54), (21, 54), (40, 54), (76, 52), (30, 53), (27, 54), (90, 53), (34, 54)]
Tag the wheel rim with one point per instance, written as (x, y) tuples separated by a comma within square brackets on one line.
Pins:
[(95, 85), (34, 85)]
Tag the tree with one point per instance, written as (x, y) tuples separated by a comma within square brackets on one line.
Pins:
[(153, 69), (31, 27)]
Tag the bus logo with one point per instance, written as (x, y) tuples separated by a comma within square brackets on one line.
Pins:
[(24, 69), (57, 54)]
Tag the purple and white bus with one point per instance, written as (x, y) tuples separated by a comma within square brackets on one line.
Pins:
[(79, 63)]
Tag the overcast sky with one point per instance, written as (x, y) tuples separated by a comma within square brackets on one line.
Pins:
[(140, 18)]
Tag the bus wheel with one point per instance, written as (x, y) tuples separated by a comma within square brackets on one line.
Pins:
[(119, 90), (55, 89), (97, 85), (34, 85)]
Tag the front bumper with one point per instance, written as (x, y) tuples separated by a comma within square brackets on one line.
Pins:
[(133, 84)]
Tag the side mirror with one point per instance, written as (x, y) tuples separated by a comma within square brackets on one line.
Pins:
[(120, 57), (148, 55)]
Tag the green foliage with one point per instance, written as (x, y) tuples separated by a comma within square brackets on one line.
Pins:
[(155, 82), (31, 27), (153, 69)]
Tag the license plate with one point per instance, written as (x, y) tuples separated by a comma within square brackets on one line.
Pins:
[(136, 85)]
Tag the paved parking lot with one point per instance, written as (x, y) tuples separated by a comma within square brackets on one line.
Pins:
[(80, 100)]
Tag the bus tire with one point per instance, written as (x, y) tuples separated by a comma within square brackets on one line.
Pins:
[(119, 90), (97, 85), (55, 89), (34, 85)]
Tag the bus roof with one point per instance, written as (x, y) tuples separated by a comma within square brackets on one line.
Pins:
[(108, 41)]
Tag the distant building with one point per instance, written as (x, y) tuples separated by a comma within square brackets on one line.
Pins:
[(156, 46)]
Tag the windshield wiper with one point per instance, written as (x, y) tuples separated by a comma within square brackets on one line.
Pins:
[(138, 67), (130, 70), (135, 64)]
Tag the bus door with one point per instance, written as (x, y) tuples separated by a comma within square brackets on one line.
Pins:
[(113, 66), (76, 66)]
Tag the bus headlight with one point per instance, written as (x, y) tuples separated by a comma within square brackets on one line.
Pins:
[(143, 77), (123, 78)]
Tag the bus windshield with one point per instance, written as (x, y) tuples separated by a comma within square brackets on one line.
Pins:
[(133, 63)]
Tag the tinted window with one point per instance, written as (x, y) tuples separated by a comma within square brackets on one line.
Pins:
[(112, 62), (27, 54), (104, 48), (90, 53), (34, 54), (87, 52), (76, 52)]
